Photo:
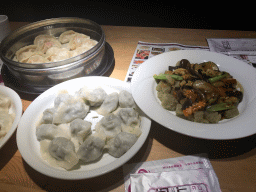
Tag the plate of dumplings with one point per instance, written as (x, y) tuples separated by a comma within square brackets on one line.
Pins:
[(82, 128)]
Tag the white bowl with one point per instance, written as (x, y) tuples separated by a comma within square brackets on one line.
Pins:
[(15, 108), (144, 93)]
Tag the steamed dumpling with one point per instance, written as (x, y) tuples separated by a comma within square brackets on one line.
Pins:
[(129, 116), (77, 40), (59, 152), (88, 44), (126, 100), (45, 42), (121, 143), (46, 131), (68, 111), (51, 131), (78, 51), (37, 59), (54, 54), (110, 125), (48, 116), (5, 102), (91, 149), (96, 97), (6, 121), (131, 121), (66, 36), (24, 53), (61, 97), (6, 117), (80, 129), (109, 104)]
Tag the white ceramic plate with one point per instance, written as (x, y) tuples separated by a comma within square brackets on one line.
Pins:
[(29, 146), (144, 93), (16, 108)]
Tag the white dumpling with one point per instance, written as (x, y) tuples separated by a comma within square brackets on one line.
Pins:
[(120, 144), (41, 38), (80, 129), (70, 110), (44, 42), (93, 96), (66, 36), (126, 100), (91, 149), (5, 102), (77, 40), (78, 51), (109, 104), (89, 43), (54, 54), (59, 152), (131, 121), (51, 131), (61, 97), (129, 116), (109, 125), (46, 131), (6, 121), (24, 53), (96, 97), (48, 116), (37, 58)]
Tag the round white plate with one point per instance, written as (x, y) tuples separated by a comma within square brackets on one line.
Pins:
[(16, 108), (29, 146), (144, 93)]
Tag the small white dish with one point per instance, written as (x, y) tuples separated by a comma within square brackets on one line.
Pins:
[(144, 93), (16, 108), (29, 147)]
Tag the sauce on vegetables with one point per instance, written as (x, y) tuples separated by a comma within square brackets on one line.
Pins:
[(199, 92)]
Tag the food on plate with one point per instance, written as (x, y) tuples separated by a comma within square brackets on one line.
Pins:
[(51, 131), (72, 132), (70, 110), (59, 152), (48, 48), (126, 99), (6, 115), (95, 97), (109, 104), (121, 143), (109, 125), (91, 149), (80, 129), (199, 92)]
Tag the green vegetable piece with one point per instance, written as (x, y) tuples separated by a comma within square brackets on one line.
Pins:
[(217, 78), (163, 77), (177, 77), (160, 77), (220, 107)]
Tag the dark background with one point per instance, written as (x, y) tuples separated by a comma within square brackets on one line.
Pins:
[(198, 15)]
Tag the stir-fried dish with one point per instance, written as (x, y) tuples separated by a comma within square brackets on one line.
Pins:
[(199, 92)]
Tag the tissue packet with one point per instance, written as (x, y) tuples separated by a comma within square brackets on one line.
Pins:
[(195, 180), (191, 162)]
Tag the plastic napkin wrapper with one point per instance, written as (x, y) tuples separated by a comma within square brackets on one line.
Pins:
[(182, 174)]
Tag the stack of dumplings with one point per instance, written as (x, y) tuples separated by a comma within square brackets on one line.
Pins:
[(48, 48), (68, 140)]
